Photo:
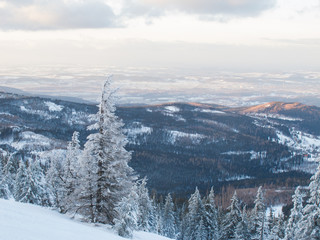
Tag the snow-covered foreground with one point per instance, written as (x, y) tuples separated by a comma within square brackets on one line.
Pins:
[(20, 221)]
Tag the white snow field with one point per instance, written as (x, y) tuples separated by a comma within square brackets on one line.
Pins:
[(20, 221)]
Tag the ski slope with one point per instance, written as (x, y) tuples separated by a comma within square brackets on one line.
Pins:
[(20, 221)]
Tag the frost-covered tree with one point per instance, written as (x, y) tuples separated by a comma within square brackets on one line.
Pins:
[(127, 214), (309, 225), (242, 230), (146, 218), (30, 185), (231, 219), (295, 215), (168, 226), (211, 217), (70, 173), (105, 177), (195, 214), (9, 172), (56, 181), (4, 191), (258, 217)]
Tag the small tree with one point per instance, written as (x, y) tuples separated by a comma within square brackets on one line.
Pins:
[(127, 210), (168, 226)]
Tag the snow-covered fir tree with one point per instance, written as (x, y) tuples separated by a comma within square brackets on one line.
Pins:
[(295, 215), (70, 172), (9, 172), (242, 229), (195, 214), (146, 213), (258, 217), (231, 219), (30, 185), (309, 224), (105, 176), (168, 226), (211, 217), (4, 191), (56, 181), (127, 214)]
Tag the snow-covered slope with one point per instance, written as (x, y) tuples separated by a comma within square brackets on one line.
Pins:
[(20, 221)]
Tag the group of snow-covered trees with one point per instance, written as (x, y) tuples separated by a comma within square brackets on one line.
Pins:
[(96, 183)]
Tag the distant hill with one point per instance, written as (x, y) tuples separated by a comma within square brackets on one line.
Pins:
[(179, 146)]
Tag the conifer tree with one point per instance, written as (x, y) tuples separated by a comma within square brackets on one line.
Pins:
[(9, 175), (106, 177), (168, 218), (195, 214), (242, 230), (309, 225), (70, 173), (146, 213), (231, 219), (4, 191), (56, 181), (30, 186), (211, 217), (258, 217), (127, 214), (295, 215)]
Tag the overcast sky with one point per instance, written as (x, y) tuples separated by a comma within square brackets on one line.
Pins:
[(233, 35)]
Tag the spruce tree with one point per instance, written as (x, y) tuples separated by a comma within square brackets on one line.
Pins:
[(295, 215), (258, 217), (105, 177), (195, 214), (231, 219), (168, 226), (127, 214), (146, 213), (70, 173), (309, 224), (211, 217), (30, 186)]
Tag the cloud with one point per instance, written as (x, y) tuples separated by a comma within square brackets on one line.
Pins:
[(72, 14), (214, 7), (57, 14)]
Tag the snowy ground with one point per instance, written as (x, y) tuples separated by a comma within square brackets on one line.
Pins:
[(19, 221)]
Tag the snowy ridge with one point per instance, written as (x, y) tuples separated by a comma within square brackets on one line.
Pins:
[(37, 112), (136, 131), (30, 141), (254, 154), (209, 111), (20, 221), (275, 116), (176, 135), (53, 107)]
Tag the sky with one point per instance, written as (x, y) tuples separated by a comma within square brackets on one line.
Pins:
[(221, 35)]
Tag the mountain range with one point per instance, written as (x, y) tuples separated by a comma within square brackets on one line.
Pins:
[(179, 146)]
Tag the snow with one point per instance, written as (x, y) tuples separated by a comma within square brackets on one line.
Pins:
[(209, 111), (133, 133), (37, 112), (275, 116), (172, 109), (53, 107), (254, 154), (20, 221), (277, 210), (301, 141), (28, 140), (176, 135)]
